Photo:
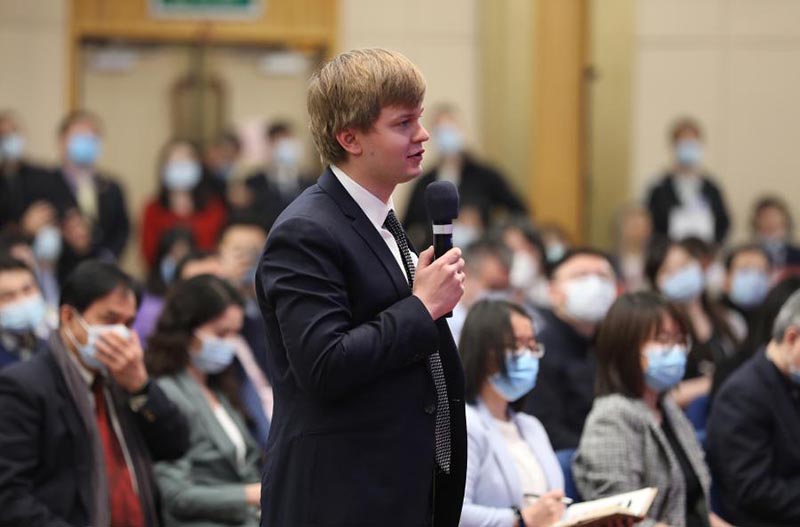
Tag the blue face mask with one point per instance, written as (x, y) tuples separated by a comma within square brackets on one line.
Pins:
[(689, 152), (520, 376), (665, 366), (215, 354), (47, 244), (749, 287), (93, 332), (12, 147), (449, 140), (167, 269), (24, 315), (83, 149), (685, 284), (182, 175)]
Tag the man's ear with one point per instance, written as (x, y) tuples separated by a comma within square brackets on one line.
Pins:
[(65, 315), (349, 140)]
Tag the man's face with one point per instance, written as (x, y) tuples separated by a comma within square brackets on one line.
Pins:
[(746, 261), (117, 307), (84, 127), (239, 249), (16, 285), (772, 224), (391, 151), (579, 266)]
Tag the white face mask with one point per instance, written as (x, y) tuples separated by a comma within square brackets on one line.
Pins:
[(524, 270), (589, 298)]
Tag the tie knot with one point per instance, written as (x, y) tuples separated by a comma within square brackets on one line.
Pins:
[(391, 222)]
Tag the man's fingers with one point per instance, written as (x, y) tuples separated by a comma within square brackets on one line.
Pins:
[(425, 257)]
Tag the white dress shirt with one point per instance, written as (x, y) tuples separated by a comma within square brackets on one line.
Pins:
[(375, 210)]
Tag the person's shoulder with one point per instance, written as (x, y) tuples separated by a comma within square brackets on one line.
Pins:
[(313, 206), (617, 406), (31, 376), (745, 381)]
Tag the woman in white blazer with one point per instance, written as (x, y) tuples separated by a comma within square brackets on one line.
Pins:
[(509, 456)]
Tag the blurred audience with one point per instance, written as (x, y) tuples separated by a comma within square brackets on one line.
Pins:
[(556, 241), (487, 273), (632, 233), (528, 275), (761, 330), (173, 246), (748, 272), (220, 162), (283, 177), (184, 199), (484, 192), (90, 205), (23, 329), (676, 273), (19, 180), (772, 226), (191, 353), (80, 423), (686, 201), (582, 288), (754, 428), (509, 457), (199, 262), (636, 435)]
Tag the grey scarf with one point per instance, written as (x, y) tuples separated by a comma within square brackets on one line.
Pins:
[(79, 392)]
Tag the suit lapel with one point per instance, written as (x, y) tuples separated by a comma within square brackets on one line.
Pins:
[(364, 228), (777, 390), (209, 421), (501, 454)]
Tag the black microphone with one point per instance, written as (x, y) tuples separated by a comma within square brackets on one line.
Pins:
[(441, 200)]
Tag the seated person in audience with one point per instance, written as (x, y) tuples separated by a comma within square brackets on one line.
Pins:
[(686, 201), (80, 423), (241, 243), (754, 429), (487, 267), (184, 199), (482, 189), (582, 287), (18, 180), (17, 245), (173, 245), (556, 241), (22, 312), (674, 272), (90, 205), (528, 275), (199, 262), (748, 273), (283, 177), (636, 436), (190, 353), (773, 227), (632, 233), (761, 332), (220, 161), (509, 457)]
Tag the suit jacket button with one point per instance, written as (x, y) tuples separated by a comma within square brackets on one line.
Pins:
[(430, 408)]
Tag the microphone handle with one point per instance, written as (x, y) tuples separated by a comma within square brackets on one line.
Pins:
[(442, 242)]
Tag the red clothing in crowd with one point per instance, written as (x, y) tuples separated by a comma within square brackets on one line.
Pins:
[(204, 223)]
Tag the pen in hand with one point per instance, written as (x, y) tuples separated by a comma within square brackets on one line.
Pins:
[(564, 500)]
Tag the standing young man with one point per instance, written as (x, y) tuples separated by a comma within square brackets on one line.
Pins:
[(368, 427)]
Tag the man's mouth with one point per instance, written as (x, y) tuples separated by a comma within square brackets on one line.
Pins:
[(418, 154)]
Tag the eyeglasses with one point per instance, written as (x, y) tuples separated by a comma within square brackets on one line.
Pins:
[(526, 347)]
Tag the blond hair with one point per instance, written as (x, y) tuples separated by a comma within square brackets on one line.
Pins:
[(350, 91)]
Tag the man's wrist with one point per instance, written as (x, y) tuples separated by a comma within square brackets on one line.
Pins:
[(518, 517)]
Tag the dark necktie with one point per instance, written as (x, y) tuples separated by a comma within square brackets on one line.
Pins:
[(442, 436)]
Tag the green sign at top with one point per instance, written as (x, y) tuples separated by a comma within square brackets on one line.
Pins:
[(206, 8)]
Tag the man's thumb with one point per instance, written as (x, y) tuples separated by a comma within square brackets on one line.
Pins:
[(425, 258)]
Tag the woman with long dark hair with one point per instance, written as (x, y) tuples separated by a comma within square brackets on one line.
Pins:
[(190, 353), (636, 435), (509, 456)]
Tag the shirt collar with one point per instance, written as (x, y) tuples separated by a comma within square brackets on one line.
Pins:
[(375, 209)]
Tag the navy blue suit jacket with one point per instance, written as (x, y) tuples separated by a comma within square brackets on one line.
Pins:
[(752, 448), (352, 436)]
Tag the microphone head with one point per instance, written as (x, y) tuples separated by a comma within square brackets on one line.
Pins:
[(441, 200)]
